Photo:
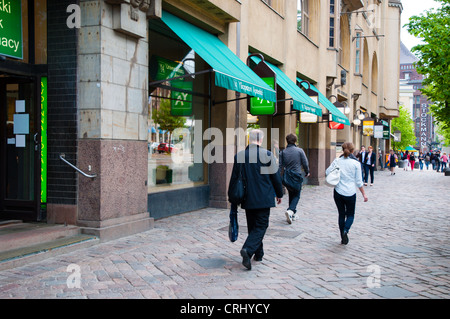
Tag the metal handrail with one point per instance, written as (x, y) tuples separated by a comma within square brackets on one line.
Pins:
[(62, 157)]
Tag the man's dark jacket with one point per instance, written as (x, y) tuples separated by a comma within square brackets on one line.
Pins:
[(293, 158), (262, 177)]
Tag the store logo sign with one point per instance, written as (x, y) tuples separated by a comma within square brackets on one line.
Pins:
[(11, 42)]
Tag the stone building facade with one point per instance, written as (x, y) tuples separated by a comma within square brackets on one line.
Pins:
[(151, 114)]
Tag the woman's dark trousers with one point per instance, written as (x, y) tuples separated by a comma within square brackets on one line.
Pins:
[(346, 209)]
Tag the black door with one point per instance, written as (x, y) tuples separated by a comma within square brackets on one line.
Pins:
[(19, 149)]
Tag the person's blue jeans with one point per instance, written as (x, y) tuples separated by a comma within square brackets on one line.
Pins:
[(346, 208), (443, 166), (427, 164), (294, 198), (421, 165)]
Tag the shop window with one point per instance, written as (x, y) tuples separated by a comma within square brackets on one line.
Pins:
[(178, 108)]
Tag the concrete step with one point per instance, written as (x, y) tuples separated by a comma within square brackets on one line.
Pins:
[(32, 253), (18, 235)]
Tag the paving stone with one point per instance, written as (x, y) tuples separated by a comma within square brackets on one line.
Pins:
[(392, 292)]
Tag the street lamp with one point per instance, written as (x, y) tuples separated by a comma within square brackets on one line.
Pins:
[(310, 92), (397, 136), (341, 106), (359, 116)]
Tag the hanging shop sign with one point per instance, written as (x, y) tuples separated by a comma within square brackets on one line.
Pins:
[(259, 106), (378, 130), (335, 125), (181, 101), (386, 130), (11, 41), (367, 126)]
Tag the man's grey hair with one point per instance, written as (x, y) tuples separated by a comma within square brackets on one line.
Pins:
[(256, 136)]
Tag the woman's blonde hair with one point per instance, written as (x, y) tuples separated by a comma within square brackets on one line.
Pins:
[(348, 148)]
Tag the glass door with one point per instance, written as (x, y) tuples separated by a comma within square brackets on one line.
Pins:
[(20, 145)]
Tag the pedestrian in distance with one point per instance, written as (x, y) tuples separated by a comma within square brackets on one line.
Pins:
[(369, 166), (380, 159), (427, 159), (405, 159), (345, 191), (421, 159), (433, 160), (293, 158), (263, 184), (393, 159), (361, 157), (438, 160), (444, 161), (412, 160)]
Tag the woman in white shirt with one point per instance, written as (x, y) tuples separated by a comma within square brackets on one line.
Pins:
[(345, 190)]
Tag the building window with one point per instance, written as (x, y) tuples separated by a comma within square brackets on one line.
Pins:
[(303, 16), (332, 37), (277, 5), (358, 53)]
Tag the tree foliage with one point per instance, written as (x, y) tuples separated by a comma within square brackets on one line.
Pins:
[(405, 125), (166, 121), (445, 135), (433, 27)]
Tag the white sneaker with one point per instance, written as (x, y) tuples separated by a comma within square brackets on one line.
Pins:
[(295, 217), (289, 214)]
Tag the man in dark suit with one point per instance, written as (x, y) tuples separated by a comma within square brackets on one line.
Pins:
[(263, 184), (362, 158)]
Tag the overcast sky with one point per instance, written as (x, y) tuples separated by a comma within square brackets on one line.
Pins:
[(411, 8)]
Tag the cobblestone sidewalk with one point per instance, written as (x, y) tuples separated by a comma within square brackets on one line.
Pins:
[(399, 248)]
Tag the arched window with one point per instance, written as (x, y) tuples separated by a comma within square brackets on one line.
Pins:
[(365, 63), (344, 44), (374, 73)]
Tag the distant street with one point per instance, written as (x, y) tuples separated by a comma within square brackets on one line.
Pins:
[(399, 248)]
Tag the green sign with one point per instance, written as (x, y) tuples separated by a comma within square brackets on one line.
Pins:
[(258, 106), (11, 28), (161, 69), (181, 103), (43, 140)]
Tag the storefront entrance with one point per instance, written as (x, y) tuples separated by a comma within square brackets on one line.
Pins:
[(20, 144)]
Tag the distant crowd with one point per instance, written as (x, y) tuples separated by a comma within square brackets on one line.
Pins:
[(438, 162)]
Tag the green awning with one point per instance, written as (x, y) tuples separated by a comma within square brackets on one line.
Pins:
[(230, 72), (301, 101), (336, 115)]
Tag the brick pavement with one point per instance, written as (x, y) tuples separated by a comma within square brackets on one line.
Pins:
[(399, 248)]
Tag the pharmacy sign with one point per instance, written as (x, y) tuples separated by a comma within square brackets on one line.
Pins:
[(11, 42)]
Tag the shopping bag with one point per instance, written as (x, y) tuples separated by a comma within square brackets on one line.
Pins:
[(233, 228)]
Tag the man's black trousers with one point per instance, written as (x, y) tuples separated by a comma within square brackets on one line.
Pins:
[(257, 223)]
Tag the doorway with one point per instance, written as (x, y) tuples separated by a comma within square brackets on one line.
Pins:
[(19, 149)]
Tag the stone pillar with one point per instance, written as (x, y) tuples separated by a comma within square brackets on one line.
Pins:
[(113, 106)]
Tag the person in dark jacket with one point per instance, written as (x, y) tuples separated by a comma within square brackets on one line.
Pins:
[(293, 158), (263, 184), (369, 166)]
